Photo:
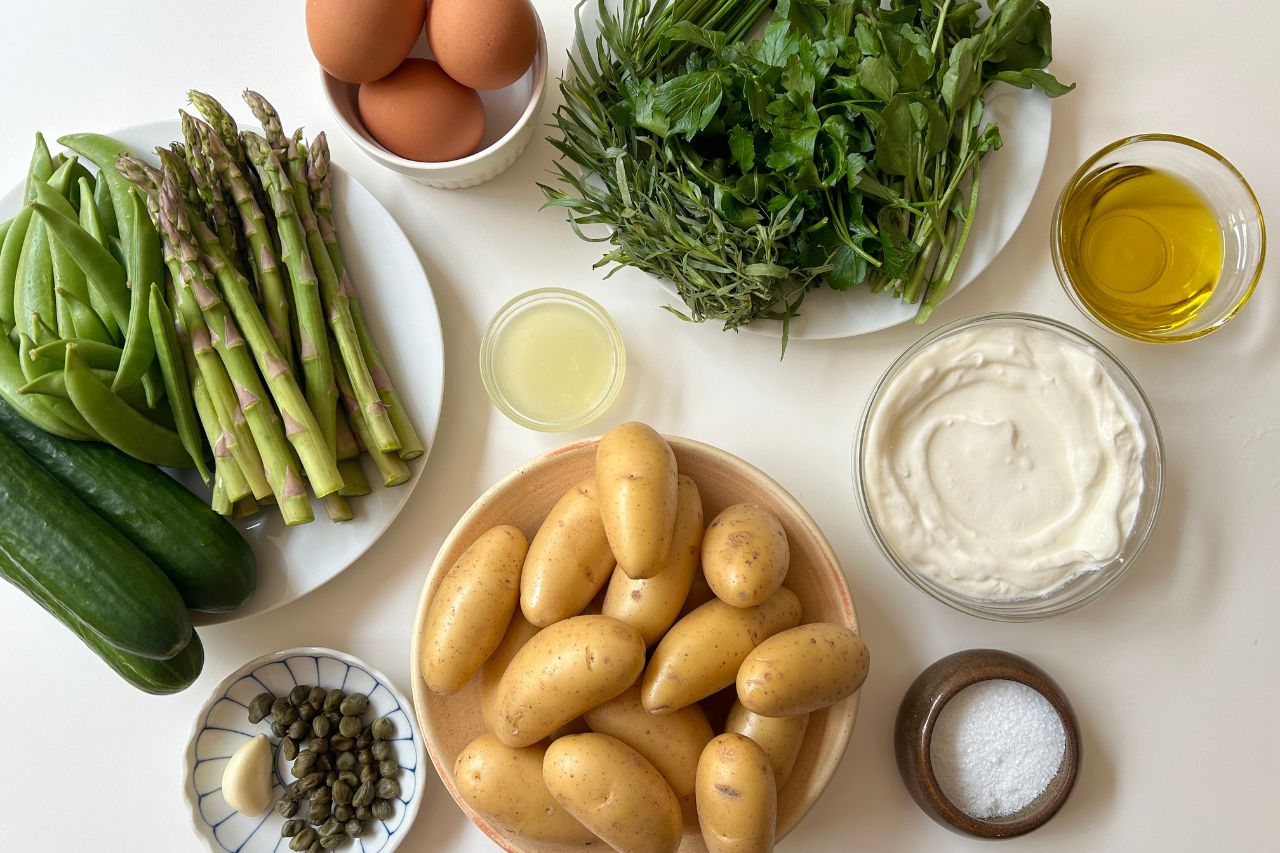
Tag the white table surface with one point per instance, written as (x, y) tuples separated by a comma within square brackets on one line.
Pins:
[(1175, 674)]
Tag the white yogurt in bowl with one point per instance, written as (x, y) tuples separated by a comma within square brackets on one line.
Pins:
[(1009, 466)]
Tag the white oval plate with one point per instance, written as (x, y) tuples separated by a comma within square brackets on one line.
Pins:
[(1010, 177), (222, 726), (396, 295)]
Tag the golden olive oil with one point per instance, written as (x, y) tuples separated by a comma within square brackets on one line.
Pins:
[(1142, 247)]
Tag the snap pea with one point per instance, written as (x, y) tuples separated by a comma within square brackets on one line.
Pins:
[(10, 252), (42, 333), (117, 422), (62, 310), (115, 247), (86, 323), (101, 270), (153, 385), (63, 179), (4, 230), (103, 152), (33, 409), (106, 210), (33, 295), (42, 166), (32, 368), (75, 317), (54, 384), (91, 221), (78, 173), (176, 386), (146, 268), (94, 354)]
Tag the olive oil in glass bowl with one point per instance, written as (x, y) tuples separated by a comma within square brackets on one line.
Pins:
[(1158, 238)]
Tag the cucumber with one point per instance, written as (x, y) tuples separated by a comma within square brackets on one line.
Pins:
[(203, 556), (76, 558), (158, 677)]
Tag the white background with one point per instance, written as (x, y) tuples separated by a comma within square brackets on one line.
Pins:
[(1175, 674)]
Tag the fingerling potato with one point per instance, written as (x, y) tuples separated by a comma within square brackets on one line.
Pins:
[(614, 792), (803, 669), (702, 652), (779, 737), (566, 670), (637, 482), (518, 633), (569, 559), (737, 800), (672, 743), (504, 785), (745, 555), (652, 605), (471, 609)]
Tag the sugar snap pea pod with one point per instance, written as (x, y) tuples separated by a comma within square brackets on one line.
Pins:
[(10, 253), (86, 322), (4, 230), (96, 355), (91, 221), (103, 152), (153, 387), (56, 313), (42, 166), (176, 386), (146, 268), (101, 270), (62, 310), (63, 179), (105, 209), (54, 384), (33, 296), (117, 422), (33, 409), (32, 368), (78, 173)]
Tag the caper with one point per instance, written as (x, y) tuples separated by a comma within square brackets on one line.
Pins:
[(341, 744), (333, 699), (364, 740), (349, 777), (299, 694), (389, 769), (315, 847), (260, 707), (354, 705), (333, 842), (315, 698), (387, 789), (342, 793), (334, 717), (365, 756), (303, 764), (304, 839), (329, 827), (344, 812), (311, 781), (299, 729), (354, 828), (318, 744), (349, 727), (289, 747), (279, 706), (382, 750), (306, 713), (288, 718), (278, 730), (321, 794), (369, 773), (363, 813), (293, 791), (325, 762), (318, 812), (364, 795), (345, 760), (331, 777), (383, 729), (320, 726), (291, 828), (286, 807), (383, 809)]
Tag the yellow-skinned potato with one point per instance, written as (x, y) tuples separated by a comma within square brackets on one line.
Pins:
[(518, 633), (471, 609), (637, 483), (702, 652), (566, 670), (745, 555), (737, 800), (569, 559), (613, 791), (505, 786), (779, 737), (672, 743), (652, 605), (802, 670)]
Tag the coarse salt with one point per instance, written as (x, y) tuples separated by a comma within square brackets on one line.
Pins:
[(996, 746)]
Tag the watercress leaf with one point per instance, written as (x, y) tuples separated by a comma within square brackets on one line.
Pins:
[(897, 141), (1035, 78), (928, 119), (960, 81), (990, 139), (848, 268), (742, 145), (690, 101), (876, 75), (1024, 43), (917, 68), (864, 35), (1005, 25)]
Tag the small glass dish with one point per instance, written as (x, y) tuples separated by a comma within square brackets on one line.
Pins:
[(500, 361), (1240, 221), (1084, 587)]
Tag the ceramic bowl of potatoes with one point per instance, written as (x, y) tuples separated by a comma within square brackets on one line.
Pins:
[(638, 642)]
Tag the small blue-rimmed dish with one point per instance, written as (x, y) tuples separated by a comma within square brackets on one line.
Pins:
[(223, 725)]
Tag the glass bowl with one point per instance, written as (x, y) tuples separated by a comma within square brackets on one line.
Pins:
[(505, 398), (1244, 238), (1084, 587)]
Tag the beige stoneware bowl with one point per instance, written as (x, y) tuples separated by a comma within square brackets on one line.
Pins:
[(525, 497)]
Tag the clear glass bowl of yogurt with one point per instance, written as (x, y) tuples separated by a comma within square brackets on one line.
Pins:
[(1009, 466)]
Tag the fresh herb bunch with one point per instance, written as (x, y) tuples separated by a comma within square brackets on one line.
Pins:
[(842, 146)]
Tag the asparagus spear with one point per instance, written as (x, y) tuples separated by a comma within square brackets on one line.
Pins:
[(270, 119), (223, 125), (208, 186), (319, 177), (392, 468)]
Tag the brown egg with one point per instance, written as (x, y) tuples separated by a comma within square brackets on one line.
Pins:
[(421, 113), (484, 44), (362, 40)]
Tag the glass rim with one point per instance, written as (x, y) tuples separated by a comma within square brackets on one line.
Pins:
[(524, 301), (983, 607), (1073, 184)]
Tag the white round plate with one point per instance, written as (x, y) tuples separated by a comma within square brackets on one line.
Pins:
[(222, 726), (1009, 180), (397, 298)]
